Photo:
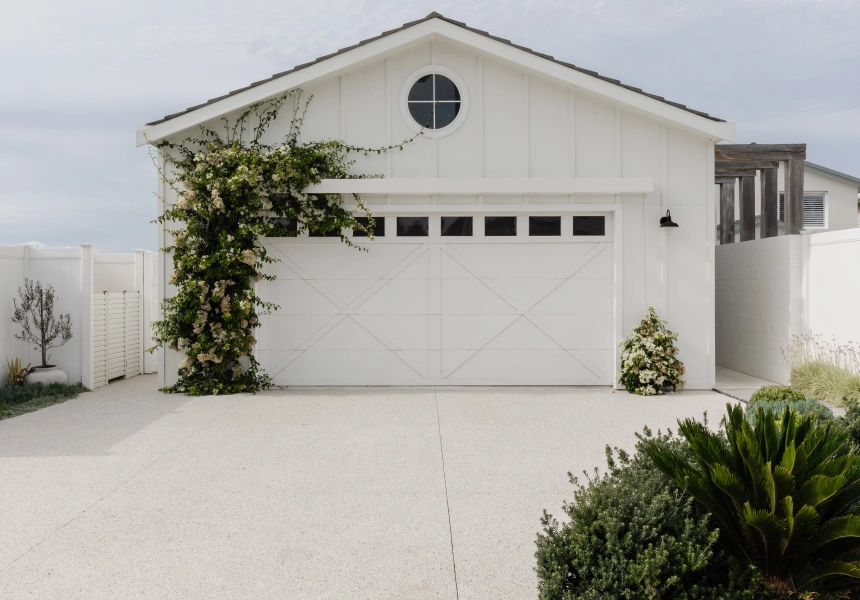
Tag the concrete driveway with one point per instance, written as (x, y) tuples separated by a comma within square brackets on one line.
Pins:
[(370, 493)]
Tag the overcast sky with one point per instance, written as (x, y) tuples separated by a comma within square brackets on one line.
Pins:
[(78, 76)]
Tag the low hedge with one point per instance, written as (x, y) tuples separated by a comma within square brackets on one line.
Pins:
[(16, 400), (780, 393), (631, 533)]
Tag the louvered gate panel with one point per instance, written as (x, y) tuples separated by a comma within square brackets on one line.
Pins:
[(99, 341), (132, 334), (115, 335)]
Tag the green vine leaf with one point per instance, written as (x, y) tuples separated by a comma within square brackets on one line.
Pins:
[(231, 190)]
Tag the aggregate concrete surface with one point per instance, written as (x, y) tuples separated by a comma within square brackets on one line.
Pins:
[(374, 493)]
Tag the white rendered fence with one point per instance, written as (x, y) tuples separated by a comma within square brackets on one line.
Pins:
[(81, 279), (770, 289)]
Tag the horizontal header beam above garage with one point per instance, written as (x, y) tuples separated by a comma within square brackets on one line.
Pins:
[(486, 209), (485, 186)]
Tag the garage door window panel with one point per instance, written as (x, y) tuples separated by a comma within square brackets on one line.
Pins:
[(589, 226), (500, 226), (544, 226), (379, 230), (413, 226), (456, 226)]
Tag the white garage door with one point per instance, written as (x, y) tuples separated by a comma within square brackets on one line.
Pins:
[(524, 309)]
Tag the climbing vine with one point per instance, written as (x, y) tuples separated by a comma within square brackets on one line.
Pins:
[(232, 189)]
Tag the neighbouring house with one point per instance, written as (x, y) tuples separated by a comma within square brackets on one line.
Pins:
[(522, 236), (830, 200)]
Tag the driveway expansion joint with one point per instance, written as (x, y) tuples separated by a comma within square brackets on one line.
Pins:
[(447, 502)]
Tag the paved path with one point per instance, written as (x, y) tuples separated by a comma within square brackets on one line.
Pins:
[(374, 493)]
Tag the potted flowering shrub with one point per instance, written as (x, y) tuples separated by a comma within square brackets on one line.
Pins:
[(649, 362), (39, 326)]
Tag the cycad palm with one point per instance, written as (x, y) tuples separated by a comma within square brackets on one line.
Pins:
[(785, 493)]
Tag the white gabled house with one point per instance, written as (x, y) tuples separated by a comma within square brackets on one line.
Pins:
[(522, 235)]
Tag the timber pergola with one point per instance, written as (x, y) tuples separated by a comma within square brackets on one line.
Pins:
[(742, 162)]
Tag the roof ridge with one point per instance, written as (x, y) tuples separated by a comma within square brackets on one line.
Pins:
[(437, 15)]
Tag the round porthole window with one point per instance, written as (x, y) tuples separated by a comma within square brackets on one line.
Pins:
[(435, 100)]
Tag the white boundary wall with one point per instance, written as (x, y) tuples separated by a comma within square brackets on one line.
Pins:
[(770, 289), (832, 284), (74, 273)]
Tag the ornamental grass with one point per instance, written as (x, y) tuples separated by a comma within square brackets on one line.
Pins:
[(824, 370)]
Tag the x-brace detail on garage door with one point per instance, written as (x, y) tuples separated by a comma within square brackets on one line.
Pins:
[(349, 310), (524, 310)]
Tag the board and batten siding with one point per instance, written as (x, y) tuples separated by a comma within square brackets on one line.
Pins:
[(520, 124)]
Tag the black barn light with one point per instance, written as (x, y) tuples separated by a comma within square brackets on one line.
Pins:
[(667, 220)]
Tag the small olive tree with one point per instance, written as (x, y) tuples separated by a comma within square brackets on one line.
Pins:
[(35, 315)]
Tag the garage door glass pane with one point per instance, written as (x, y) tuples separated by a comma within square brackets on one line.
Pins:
[(285, 227), (333, 233), (412, 226), (544, 225), (461, 226), (500, 226), (589, 226), (379, 231)]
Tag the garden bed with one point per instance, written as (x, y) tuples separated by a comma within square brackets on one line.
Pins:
[(18, 400)]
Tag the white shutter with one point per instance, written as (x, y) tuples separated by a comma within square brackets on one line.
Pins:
[(99, 341), (115, 335), (132, 334), (813, 211)]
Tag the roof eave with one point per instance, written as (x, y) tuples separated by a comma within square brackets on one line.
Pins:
[(849, 179)]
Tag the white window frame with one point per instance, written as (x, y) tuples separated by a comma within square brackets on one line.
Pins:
[(781, 203), (464, 100)]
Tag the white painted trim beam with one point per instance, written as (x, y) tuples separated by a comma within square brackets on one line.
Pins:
[(485, 209), (417, 34), (513, 186)]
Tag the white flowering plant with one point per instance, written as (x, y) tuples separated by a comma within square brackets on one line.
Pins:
[(649, 358), (231, 190)]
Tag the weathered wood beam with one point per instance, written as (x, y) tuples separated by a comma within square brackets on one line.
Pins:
[(746, 164), (759, 151), (727, 213), (794, 196), (747, 208), (736, 173), (721, 180), (769, 203)]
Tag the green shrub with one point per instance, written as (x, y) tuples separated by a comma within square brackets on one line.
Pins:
[(14, 394), (851, 420), (777, 392), (649, 358), (775, 407), (785, 494), (633, 534)]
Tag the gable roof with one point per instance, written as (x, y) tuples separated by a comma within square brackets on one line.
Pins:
[(415, 32), (850, 179), (435, 15)]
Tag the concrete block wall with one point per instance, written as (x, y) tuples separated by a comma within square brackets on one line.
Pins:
[(758, 304)]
